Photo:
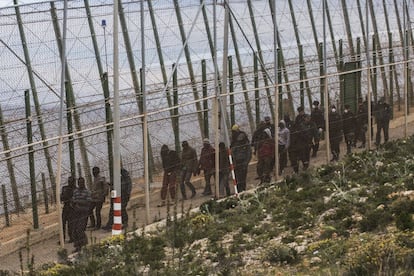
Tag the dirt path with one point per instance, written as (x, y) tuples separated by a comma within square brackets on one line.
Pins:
[(43, 243)]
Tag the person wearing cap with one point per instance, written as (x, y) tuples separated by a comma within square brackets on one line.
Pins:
[(319, 120), (348, 127), (382, 114), (266, 157), (188, 168), (335, 132), (207, 164), (242, 153), (301, 113)]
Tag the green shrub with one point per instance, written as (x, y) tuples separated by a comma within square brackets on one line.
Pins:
[(281, 254)]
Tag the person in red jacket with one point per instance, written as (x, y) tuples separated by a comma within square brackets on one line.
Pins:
[(207, 164), (266, 157)]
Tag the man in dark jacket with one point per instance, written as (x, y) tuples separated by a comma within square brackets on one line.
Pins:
[(319, 120), (335, 132), (311, 136), (126, 188), (207, 164), (81, 203), (99, 190), (299, 146), (348, 127), (224, 169), (171, 164), (188, 168), (242, 153), (67, 211), (258, 136), (382, 115), (361, 123)]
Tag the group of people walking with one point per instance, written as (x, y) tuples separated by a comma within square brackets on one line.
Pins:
[(81, 204), (298, 141)]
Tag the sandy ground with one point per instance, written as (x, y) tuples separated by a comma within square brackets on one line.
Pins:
[(43, 244)]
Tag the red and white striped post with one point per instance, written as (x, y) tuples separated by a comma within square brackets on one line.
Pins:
[(117, 225), (233, 175)]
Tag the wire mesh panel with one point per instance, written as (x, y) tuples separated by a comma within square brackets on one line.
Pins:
[(180, 37)]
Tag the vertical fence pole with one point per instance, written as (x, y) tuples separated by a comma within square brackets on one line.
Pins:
[(189, 63), (282, 67), (45, 194), (242, 75), (76, 117), (304, 82), (302, 77), (45, 144), (69, 111), (374, 69), (205, 102), (105, 88), (231, 91), (176, 118), (13, 183), (321, 73), (256, 89), (348, 29), (260, 57), (378, 49), (5, 206), (31, 160)]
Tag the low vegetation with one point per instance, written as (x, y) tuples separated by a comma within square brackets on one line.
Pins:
[(353, 217)]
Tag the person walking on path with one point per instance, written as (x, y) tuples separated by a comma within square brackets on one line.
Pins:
[(335, 132), (348, 127), (188, 168), (99, 190), (224, 170), (266, 157), (258, 136), (170, 164), (207, 164), (302, 134), (81, 204), (283, 144), (126, 188), (242, 153), (361, 124), (382, 116), (319, 120), (67, 211)]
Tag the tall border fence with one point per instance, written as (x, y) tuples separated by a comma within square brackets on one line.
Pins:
[(321, 47)]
